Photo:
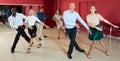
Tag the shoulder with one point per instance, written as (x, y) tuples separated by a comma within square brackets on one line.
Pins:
[(88, 15), (66, 11), (75, 12), (98, 14), (20, 14), (10, 17), (38, 13), (28, 16)]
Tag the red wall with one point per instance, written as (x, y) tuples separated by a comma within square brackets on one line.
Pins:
[(20, 2), (109, 9)]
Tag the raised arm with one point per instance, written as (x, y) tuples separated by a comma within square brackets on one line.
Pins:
[(42, 23), (106, 21)]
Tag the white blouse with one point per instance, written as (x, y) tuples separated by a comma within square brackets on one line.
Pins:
[(58, 18), (31, 20), (94, 19)]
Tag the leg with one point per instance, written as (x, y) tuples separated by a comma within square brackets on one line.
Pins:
[(19, 32), (31, 41), (3, 21), (102, 44), (28, 49), (72, 35), (37, 39), (78, 48), (24, 35), (58, 33), (63, 30), (91, 49), (71, 42), (40, 31)]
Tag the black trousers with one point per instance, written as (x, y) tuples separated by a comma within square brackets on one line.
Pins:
[(72, 35), (20, 31)]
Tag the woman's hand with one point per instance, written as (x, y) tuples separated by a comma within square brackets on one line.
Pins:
[(30, 27), (100, 29), (115, 26)]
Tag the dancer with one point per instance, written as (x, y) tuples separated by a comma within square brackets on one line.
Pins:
[(30, 23), (93, 20), (58, 18), (16, 21), (70, 16), (3, 17), (41, 16)]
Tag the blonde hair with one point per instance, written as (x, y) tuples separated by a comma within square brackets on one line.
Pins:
[(31, 12)]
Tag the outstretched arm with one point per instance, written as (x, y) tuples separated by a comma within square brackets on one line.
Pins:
[(106, 21)]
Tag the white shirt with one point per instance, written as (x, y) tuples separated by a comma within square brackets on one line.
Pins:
[(94, 19), (70, 19), (17, 20), (31, 20)]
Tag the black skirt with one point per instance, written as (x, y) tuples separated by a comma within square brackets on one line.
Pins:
[(32, 31)]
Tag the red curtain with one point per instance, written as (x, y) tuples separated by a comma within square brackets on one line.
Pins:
[(19, 2)]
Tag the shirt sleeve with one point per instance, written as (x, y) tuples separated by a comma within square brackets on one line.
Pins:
[(81, 21), (47, 15), (23, 16), (26, 19), (65, 17), (11, 22), (37, 20), (37, 15)]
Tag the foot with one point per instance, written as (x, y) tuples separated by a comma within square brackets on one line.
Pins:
[(31, 44), (89, 56), (28, 50), (106, 52), (40, 39), (58, 38), (12, 50), (69, 56), (81, 50), (40, 44), (45, 36)]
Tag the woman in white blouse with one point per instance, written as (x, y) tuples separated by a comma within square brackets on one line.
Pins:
[(30, 23), (58, 18), (93, 21)]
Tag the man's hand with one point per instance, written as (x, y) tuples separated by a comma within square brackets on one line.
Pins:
[(89, 32), (47, 27)]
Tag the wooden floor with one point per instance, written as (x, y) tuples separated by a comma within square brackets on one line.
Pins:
[(53, 49)]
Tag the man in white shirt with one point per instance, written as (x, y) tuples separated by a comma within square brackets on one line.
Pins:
[(16, 21), (70, 16)]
